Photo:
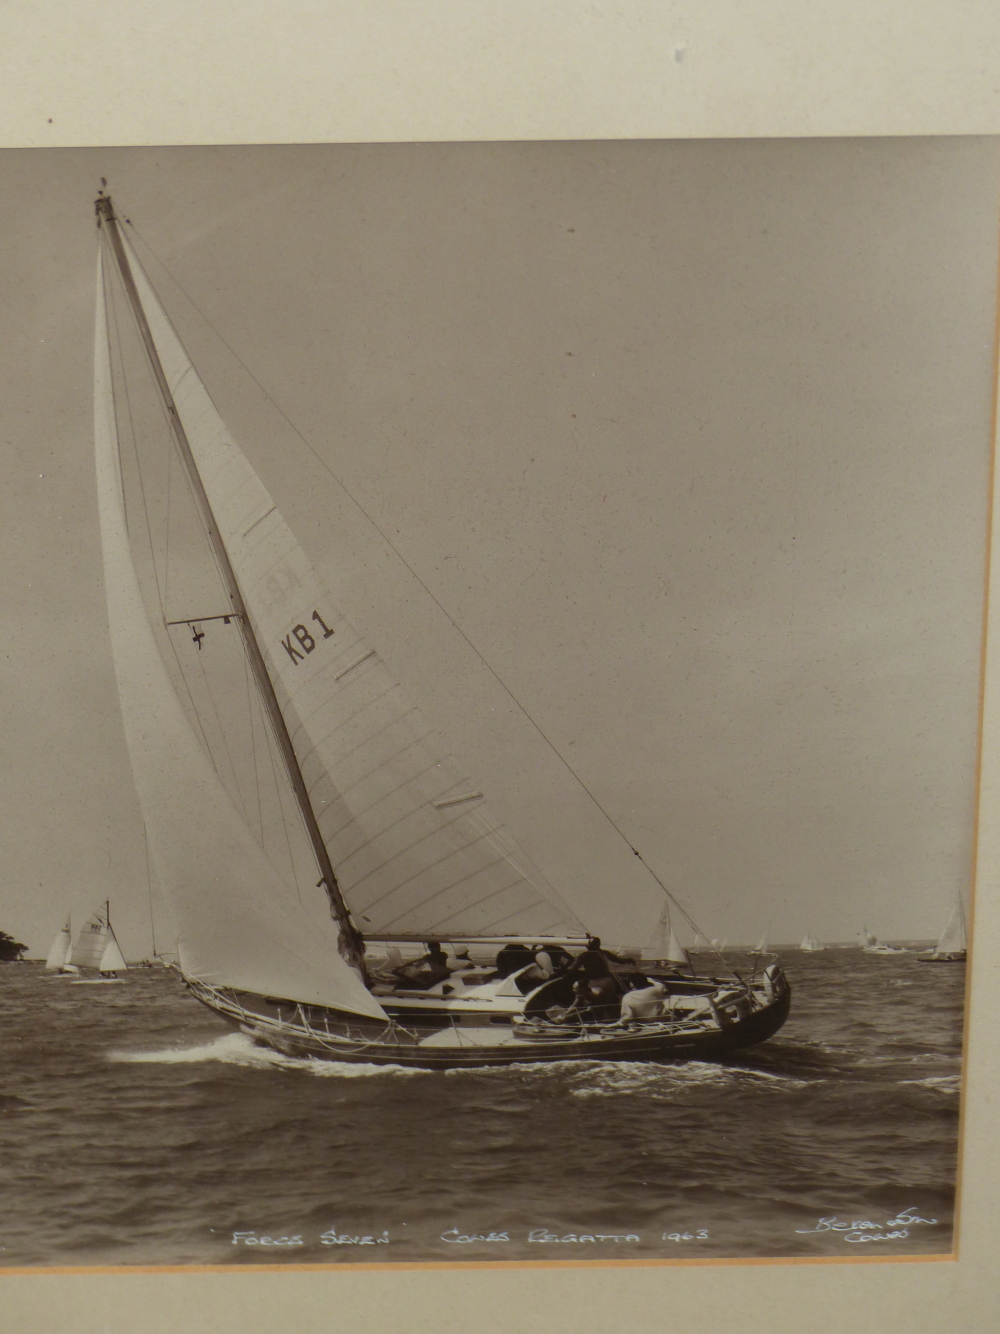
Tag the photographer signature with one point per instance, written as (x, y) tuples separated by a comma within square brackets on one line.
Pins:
[(862, 1230)]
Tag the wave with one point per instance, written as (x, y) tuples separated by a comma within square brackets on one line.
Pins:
[(901, 1058), (238, 1049), (611, 1079), (939, 1083), (589, 1079)]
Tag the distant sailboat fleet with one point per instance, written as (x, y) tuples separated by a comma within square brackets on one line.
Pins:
[(96, 950)]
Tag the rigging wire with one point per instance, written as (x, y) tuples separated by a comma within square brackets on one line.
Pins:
[(283, 813), (406, 564), (222, 732), (162, 597), (166, 554), (251, 718), (149, 886), (119, 348), (207, 545), (163, 611)]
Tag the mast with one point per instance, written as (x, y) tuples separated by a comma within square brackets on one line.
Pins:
[(350, 939)]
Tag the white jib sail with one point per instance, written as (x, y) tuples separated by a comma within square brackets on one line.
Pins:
[(239, 922), (112, 960), (412, 841), (62, 946), (676, 953)]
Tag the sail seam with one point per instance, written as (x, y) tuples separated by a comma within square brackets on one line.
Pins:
[(225, 468), (439, 831), (424, 870), (339, 727), (359, 813), (466, 907), (343, 756)]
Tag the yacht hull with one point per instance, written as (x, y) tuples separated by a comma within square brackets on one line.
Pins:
[(287, 1028)]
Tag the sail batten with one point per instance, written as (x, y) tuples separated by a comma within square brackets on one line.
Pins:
[(409, 836)]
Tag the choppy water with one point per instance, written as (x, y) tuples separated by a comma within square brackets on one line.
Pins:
[(137, 1129)]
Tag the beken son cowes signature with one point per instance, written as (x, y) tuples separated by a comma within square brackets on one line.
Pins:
[(862, 1230)]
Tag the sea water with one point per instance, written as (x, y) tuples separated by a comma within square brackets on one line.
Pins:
[(138, 1129)]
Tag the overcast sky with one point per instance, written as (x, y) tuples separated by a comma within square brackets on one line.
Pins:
[(690, 439)]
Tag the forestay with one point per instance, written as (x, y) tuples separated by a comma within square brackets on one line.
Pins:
[(240, 924), (413, 843)]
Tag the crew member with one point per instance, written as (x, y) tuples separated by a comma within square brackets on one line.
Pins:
[(426, 971), (512, 957), (644, 1003)]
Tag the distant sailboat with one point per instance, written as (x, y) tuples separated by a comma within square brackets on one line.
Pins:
[(872, 944), (97, 948), (953, 944), (665, 944), (810, 945), (57, 960)]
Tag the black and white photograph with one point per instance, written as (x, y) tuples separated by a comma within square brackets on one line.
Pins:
[(493, 672)]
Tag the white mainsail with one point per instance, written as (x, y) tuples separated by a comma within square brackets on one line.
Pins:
[(90, 943), (62, 947), (953, 937), (240, 924), (414, 846)]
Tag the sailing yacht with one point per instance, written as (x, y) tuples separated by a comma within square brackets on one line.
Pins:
[(399, 840), (953, 943), (97, 949), (665, 944), (810, 944), (58, 959)]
